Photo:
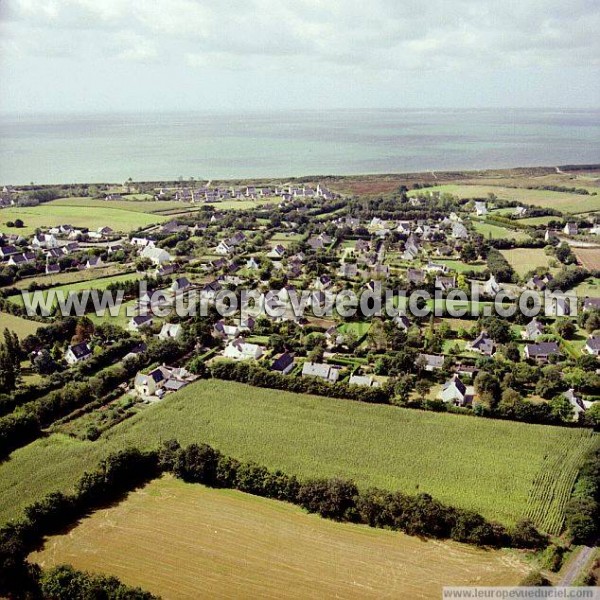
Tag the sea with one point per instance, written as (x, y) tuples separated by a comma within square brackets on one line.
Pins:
[(225, 145)]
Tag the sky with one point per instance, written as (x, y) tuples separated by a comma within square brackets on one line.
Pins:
[(72, 56)]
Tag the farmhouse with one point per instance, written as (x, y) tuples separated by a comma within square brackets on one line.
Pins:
[(481, 209), (161, 380), (320, 370), (570, 229), (93, 262), (576, 402), (431, 362), (77, 353), (140, 321)]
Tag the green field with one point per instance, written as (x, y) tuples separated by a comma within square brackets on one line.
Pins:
[(92, 284), (186, 541), (72, 276), (50, 214), (480, 464), (22, 327), (563, 201), (139, 205), (523, 260), (589, 287), (495, 232)]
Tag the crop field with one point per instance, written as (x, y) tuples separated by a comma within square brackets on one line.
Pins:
[(49, 214), (563, 201), (183, 540), (523, 260), (588, 257), (22, 327), (383, 446)]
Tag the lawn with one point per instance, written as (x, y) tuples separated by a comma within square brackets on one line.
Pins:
[(183, 540), (50, 214), (589, 287), (384, 446), (22, 327), (93, 284), (495, 232), (461, 267), (72, 276), (139, 205), (563, 201), (523, 260)]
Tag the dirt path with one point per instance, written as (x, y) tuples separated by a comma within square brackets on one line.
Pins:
[(576, 566)]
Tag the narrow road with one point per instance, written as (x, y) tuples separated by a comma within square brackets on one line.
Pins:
[(576, 566)]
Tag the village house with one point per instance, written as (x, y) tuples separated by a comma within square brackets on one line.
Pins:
[(158, 256), (481, 209), (491, 287), (592, 345), (142, 242), (171, 331), (456, 392), (431, 362), (284, 363), (542, 351), (77, 353), (180, 285), (348, 270), (140, 321), (483, 344), (239, 349), (570, 229), (52, 269), (21, 259), (44, 240), (533, 330), (161, 380), (320, 370), (364, 381), (277, 253), (93, 262), (222, 330), (579, 405)]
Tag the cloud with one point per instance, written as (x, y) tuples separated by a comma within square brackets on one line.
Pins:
[(380, 34)]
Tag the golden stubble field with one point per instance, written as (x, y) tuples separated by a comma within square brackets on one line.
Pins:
[(187, 541)]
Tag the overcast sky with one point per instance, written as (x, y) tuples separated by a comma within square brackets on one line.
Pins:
[(103, 55)]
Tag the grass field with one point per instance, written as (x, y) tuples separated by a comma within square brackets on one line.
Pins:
[(72, 276), (565, 202), (132, 205), (589, 287), (183, 540), (523, 260), (92, 284), (50, 214), (388, 447), (495, 232), (22, 327)]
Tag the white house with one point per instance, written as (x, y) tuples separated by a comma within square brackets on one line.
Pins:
[(592, 345), (158, 256), (363, 380), (238, 349), (44, 240), (322, 371), (140, 321), (456, 392), (171, 331), (77, 353), (481, 209), (491, 287)]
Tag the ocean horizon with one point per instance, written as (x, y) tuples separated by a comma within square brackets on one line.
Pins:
[(111, 147)]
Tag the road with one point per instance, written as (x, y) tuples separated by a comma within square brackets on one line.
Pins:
[(577, 565)]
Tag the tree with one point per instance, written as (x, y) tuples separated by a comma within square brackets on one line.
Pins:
[(565, 328), (488, 386), (423, 387), (468, 253), (498, 329), (561, 409), (19, 223), (84, 330)]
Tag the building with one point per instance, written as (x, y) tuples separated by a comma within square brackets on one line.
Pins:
[(238, 349), (284, 363), (570, 229), (140, 321), (77, 353), (171, 331), (158, 256), (481, 209), (533, 330), (431, 362), (483, 344), (364, 381), (456, 392), (320, 370), (592, 345), (542, 352)]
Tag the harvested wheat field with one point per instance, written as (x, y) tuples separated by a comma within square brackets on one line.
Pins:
[(183, 540), (588, 257)]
